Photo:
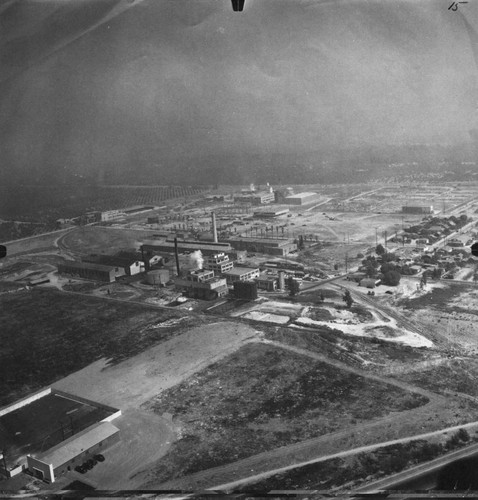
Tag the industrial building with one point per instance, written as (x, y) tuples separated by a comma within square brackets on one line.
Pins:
[(73, 451), (422, 209), (241, 274), (202, 284), (272, 246), (219, 263), (158, 277), (267, 282), (51, 431), (301, 198), (207, 248), (245, 290), (90, 271), (270, 214), (256, 198), (129, 263)]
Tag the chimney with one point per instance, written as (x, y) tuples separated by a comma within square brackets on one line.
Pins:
[(177, 255), (214, 229), (282, 280)]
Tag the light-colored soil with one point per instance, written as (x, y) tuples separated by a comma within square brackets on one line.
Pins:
[(145, 437), (138, 379)]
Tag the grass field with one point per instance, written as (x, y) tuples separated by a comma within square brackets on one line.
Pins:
[(353, 471), (263, 397), (47, 334)]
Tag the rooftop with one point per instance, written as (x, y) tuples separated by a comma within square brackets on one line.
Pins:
[(238, 271), (72, 447), (301, 195)]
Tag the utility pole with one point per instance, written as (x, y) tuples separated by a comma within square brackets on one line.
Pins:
[(346, 262)]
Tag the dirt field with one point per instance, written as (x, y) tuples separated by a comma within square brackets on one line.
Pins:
[(146, 436), (66, 332), (263, 397), (96, 239)]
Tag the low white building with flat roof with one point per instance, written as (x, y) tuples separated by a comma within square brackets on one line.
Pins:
[(72, 452), (301, 198), (241, 274)]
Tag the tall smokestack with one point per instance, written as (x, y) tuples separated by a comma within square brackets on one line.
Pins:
[(214, 228), (176, 253)]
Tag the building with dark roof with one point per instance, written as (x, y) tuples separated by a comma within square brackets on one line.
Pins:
[(272, 246), (207, 248), (130, 263), (91, 271)]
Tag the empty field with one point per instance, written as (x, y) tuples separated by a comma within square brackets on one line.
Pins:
[(47, 334), (263, 397)]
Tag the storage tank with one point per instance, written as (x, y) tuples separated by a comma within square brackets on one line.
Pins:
[(158, 277)]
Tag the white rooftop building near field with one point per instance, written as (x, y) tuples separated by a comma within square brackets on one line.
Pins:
[(301, 198)]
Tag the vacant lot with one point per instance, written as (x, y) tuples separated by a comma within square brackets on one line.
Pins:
[(97, 239), (352, 471), (460, 375), (263, 397), (369, 353), (47, 334)]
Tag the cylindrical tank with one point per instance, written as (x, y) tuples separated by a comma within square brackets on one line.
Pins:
[(157, 277)]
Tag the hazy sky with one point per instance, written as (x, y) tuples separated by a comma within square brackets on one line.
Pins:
[(88, 84)]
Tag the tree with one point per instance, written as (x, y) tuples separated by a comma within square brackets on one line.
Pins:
[(347, 298), (293, 286), (391, 278), (379, 249), (322, 297), (385, 268), (423, 281)]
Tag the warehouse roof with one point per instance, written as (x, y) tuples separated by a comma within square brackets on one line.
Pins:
[(301, 195), (238, 271), (77, 444)]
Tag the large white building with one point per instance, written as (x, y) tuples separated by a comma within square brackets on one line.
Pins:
[(301, 198)]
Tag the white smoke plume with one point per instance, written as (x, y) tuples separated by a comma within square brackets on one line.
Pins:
[(196, 259)]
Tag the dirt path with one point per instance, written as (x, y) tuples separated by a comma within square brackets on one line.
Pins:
[(361, 449), (131, 383), (342, 366), (367, 434), (145, 437)]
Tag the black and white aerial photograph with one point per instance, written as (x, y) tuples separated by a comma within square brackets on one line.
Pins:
[(238, 249)]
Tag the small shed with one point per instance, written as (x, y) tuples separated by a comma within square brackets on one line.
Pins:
[(368, 282)]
